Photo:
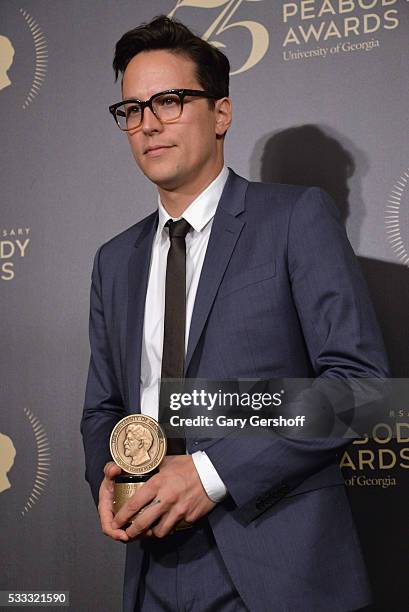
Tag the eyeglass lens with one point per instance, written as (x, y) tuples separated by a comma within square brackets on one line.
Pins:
[(167, 107)]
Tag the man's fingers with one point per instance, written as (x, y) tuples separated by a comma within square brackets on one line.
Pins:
[(106, 517), (111, 470), (144, 496), (168, 523), (165, 501), (106, 514), (144, 520)]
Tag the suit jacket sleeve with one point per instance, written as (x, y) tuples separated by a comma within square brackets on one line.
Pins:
[(103, 406), (342, 338)]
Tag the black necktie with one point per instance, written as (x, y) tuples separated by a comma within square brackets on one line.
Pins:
[(173, 355)]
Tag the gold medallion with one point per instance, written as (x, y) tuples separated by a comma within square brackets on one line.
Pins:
[(137, 444)]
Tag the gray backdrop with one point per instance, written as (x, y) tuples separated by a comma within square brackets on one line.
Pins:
[(320, 94)]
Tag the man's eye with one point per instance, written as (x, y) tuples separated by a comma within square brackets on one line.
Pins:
[(168, 101), (133, 110)]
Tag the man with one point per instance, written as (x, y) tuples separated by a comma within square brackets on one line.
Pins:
[(272, 290)]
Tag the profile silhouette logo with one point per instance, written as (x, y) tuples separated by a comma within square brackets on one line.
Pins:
[(17, 43), (6, 60), (7, 455), (25, 482)]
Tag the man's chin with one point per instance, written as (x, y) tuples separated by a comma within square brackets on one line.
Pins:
[(163, 179)]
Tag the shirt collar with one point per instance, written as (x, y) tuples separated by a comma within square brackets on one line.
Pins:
[(202, 209)]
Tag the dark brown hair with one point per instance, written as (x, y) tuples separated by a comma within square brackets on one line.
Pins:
[(212, 66)]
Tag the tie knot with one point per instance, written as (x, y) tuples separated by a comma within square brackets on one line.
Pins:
[(178, 229)]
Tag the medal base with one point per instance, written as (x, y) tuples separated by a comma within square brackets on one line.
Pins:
[(125, 486)]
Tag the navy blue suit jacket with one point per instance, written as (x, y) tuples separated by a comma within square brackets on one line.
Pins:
[(280, 295)]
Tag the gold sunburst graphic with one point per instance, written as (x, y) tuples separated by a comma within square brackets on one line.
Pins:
[(393, 218), (43, 461), (41, 60)]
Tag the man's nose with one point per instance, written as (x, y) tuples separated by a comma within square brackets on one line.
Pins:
[(150, 122)]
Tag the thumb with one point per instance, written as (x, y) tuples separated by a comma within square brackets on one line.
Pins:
[(111, 470)]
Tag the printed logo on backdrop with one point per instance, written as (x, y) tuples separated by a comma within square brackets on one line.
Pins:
[(325, 28), (14, 246), (397, 218), (23, 57), (24, 462), (381, 458), (254, 35)]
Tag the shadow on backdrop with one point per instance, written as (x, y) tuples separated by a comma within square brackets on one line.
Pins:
[(318, 156), (321, 157)]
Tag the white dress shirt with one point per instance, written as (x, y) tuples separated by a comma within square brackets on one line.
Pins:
[(200, 215)]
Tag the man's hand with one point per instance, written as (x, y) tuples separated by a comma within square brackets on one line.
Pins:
[(106, 495), (174, 495)]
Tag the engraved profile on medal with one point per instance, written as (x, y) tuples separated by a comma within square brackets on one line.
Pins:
[(137, 443)]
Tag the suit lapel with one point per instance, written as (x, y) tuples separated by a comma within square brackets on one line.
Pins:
[(138, 275), (225, 231)]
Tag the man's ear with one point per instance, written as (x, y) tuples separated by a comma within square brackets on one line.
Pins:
[(223, 113)]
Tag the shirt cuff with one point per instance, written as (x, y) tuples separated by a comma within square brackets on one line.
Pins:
[(211, 481)]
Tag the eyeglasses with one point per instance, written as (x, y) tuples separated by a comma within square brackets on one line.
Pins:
[(167, 106)]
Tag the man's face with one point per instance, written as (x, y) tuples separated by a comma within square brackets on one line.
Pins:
[(187, 148), (132, 444)]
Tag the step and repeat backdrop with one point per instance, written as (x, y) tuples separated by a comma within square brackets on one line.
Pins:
[(321, 95)]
